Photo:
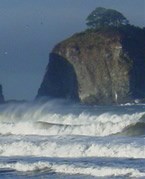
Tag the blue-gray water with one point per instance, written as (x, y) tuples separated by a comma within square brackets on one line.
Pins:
[(58, 139)]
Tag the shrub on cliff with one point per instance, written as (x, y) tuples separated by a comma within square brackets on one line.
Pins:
[(102, 17)]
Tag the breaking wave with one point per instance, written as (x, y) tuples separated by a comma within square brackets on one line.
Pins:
[(137, 129), (72, 169), (72, 146), (51, 119)]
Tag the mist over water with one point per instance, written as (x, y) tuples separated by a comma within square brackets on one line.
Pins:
[(61, 139)]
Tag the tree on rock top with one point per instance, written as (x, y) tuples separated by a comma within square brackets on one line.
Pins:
[(102, 17)]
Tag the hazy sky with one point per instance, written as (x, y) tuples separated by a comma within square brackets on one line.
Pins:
[(30, 28)]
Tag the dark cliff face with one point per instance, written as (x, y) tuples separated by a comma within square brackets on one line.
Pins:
[(98, 67), (60, 80), (133, 43)]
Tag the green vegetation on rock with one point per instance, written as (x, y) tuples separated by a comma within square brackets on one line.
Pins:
[(102, 17)]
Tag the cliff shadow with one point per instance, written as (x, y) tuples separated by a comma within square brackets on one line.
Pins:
[(60, 80), (133, 42)]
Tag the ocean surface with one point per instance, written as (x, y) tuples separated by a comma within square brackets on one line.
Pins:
[(62, 140)]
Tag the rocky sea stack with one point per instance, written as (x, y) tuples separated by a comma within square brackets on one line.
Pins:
[(102, 66)]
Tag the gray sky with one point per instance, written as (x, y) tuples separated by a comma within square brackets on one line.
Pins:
[(30, 28)]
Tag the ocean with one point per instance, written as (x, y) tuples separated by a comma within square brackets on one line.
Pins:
[(60, 139)]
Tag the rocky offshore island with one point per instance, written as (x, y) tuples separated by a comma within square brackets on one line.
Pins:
[(98, 67), (103, 65)]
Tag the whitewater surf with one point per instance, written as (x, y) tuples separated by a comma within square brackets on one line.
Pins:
[(59, 139)]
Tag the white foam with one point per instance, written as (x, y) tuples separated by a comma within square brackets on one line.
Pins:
[(74, 169), (23, 120), (72, 147)]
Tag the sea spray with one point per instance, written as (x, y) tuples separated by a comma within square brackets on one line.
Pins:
[(40, 120)]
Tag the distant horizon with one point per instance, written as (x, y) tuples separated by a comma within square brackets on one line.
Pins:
[(29, 31)]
